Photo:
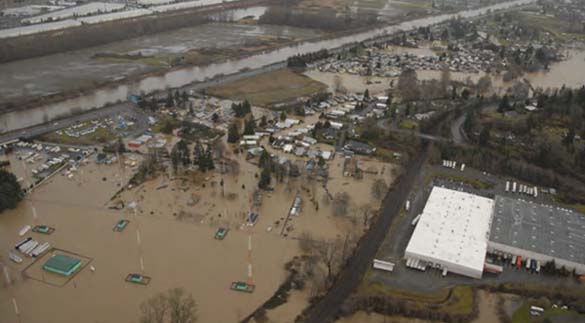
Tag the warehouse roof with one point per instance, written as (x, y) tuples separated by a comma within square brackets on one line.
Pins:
[(544, 229), (453, 229)]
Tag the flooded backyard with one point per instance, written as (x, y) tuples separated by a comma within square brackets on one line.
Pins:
[(170, 238)]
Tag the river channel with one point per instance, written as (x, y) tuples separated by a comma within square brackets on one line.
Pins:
[(184, 76)]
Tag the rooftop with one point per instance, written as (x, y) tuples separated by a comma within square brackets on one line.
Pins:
[(62, 264), (453, 229), (544, 229)]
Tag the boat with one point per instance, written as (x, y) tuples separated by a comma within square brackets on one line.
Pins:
[(14, 257)]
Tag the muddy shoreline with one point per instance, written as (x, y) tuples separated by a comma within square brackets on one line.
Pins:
[(24, 104)]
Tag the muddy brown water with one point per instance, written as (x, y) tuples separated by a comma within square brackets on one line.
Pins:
[(182, 77), (175, 252)]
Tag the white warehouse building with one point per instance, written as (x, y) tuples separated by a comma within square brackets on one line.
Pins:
[(452, 233), (457, 229)]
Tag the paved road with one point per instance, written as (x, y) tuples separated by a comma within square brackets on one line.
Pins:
[(391, 126), (349, 279), (111, 111), (457, 132)]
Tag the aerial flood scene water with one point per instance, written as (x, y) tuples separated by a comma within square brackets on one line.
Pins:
[(283, 161)]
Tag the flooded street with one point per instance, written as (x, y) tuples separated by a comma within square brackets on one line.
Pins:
[(185, 76)]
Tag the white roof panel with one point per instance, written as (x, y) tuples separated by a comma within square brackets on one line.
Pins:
[(453, 229)]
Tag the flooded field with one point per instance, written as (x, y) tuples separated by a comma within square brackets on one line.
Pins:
[(77, 69), (170, 238), (185, 76), (567, 73)]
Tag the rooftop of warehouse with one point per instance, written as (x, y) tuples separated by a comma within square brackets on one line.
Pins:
[(544, 229), (453, 228)]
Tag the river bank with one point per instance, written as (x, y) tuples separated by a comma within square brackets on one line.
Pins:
[(183, 77)]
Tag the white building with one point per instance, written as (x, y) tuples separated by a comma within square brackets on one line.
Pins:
[(452, 233)]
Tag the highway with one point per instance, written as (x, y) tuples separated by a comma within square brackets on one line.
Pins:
[(111, 111)]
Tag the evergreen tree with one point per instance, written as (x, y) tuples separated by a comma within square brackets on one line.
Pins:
[(264, 159), (283, 116), (504, 104), (250, 126), (366, 94), (184, 153), (170, 102), (198, 153), (175, 159), (484, 136), (10, 191), (233, 133), (265, 178), (263, 121)]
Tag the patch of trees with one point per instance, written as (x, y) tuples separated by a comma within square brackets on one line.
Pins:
[(408, 85), (390, 305), (241, 109), (323, 18), (10, 191), (147, 169), (572, 297), (571, 190), (302, 60), (233, 133), (174, 306), (250, 126), (181, 156), (379, 189)]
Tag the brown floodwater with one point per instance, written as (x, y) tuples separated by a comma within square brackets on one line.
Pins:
[(170, 238)]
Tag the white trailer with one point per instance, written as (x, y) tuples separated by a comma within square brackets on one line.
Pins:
[(415, 221), (462, 167), (407, 206), (507, 186), (514, 187), (383, 265), (535, 191)]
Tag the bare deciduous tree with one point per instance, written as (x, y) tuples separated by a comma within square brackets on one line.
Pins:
[(340, 205), (408, 85), (155, 309), (484, 84), (379, 189), (175, 306), (182, 307)]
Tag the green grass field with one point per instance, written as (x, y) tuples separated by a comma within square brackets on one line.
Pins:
[(101, 135), (522, 314)]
